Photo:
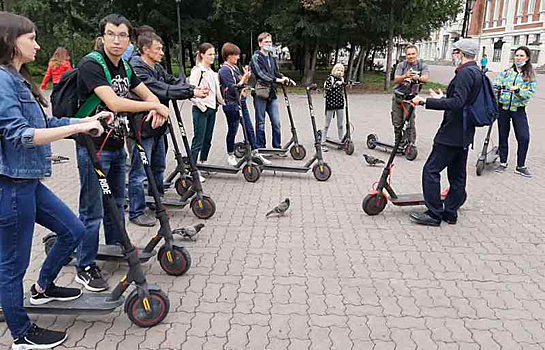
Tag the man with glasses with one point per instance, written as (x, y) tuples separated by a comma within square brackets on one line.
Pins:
[(112, 92), (451, 143)]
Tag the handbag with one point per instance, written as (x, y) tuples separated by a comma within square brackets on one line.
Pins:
[(262, 90)]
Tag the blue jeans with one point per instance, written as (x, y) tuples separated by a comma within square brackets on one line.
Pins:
[(522, 134), (203, 129), (233, 120), (155, 151), (91, 207), (271, 107), (22, 204)]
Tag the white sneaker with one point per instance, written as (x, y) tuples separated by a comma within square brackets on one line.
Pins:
[(265, 161), (231, 160), (202, 179)]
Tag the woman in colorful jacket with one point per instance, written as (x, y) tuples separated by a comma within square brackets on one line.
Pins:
[(25, 159), (519, 85), (58, 65)]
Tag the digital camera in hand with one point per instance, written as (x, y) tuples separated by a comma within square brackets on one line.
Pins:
[(408, 89)]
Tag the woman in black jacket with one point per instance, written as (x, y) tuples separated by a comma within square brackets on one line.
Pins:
[(334, 101)]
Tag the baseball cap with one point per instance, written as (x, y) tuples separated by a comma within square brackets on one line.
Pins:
[(468, 46)]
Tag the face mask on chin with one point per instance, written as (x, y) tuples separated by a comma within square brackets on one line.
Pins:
[(519, 65), (457, 62), (268, 49)]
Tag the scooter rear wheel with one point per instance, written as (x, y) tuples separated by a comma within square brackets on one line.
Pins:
[(182, 185), (321, 172), (205, 209), (371, 141), (176, 263), (479, 167), (239, 149), (373, 204), (410, 152), (159, 304), (349, 148), (298, 152), (251, 172)]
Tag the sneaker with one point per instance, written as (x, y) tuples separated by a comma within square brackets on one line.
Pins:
[(231, 160), (143, 221), (53, 293), (256, 154), (501, 168), (92, 280), (523, 171), (39, 338), (282, 155), (201, 178), (324, 149)]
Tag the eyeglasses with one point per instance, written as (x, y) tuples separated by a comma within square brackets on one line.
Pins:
[(120, 36)]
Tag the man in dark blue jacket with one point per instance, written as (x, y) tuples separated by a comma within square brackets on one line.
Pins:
[(451, 143), (166, 87), (265, 68)]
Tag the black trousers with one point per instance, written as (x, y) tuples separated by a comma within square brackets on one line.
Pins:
[(522, 134), (455, 160)]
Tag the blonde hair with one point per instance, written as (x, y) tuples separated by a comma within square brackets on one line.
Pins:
[(202, 50), (263, 36), (336, 68), (59, 57)]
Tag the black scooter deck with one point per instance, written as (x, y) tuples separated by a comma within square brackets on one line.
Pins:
[(87, 303), (218, 168), (114, 253), (409, 199), (170, 201), (291, 169)]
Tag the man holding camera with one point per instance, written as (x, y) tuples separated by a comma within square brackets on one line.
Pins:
[(410, 69), (451, 143)]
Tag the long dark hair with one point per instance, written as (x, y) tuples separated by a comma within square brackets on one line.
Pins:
[(527, 70), (12, 26)]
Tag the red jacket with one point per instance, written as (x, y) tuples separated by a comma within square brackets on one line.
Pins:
[(55, 73)]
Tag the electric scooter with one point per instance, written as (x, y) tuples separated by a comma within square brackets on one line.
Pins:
[(321, 170), (174, 260), (404, 147), (297, 151), (346, 142), (487, 157), (375, 202), (146, 305), (188, 185), (247, 163)]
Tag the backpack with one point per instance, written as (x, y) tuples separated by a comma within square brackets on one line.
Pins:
[(64, 98), (483, 110)]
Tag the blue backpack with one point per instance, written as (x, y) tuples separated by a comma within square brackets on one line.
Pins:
[(483, 111)]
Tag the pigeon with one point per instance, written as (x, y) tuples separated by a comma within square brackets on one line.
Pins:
[(189, 231), (280, 208), (372, 160)]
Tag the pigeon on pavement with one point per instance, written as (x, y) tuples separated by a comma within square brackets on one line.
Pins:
[(372, 160), (280, 208)]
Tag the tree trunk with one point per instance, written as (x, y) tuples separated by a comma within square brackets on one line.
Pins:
[(182, 63), (373, 56), (351, 59), (357, 67), (168, 56), (390, 48), (311, 55), (337, 48), (192, 55)]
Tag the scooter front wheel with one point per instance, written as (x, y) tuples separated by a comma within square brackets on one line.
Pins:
[(479, 167), (371, 141), (176, 262), (322, 172), (158, 305), (298, 152), (251, 172), (203, 208), (183, 185), (240, 149), (349, 148), (374, 204)]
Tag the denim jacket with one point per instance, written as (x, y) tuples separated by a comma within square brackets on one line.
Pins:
[(510, 100), (20, 115)]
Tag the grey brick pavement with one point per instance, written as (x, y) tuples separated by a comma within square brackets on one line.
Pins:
[(327, 276)]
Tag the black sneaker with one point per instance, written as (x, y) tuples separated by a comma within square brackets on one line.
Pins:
[(92, 280), (523, 171), (143, 221), (39, 338), (53, 293)]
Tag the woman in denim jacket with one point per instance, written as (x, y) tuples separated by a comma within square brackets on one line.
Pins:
[(25, 158), (521, 83)]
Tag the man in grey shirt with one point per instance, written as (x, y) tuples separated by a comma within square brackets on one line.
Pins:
[(414, 69)]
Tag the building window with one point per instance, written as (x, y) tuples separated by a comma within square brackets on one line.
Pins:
[(497, 55), (516, 39), (497, 12), (535, 56), (487, 12), (531, 7), (521, 7), (537, 40), (505, 6), (527, 39)]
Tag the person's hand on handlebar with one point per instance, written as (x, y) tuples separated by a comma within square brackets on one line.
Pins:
[(200, 92), (438, 94), (93, 126), (418, 101), (158, 116)]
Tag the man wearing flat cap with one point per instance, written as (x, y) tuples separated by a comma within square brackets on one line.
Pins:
[(451, 143)]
